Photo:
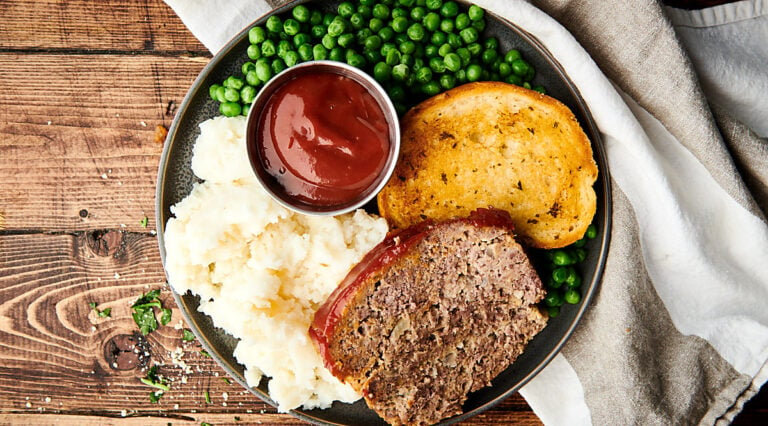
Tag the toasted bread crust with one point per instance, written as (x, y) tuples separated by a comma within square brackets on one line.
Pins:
[(491, 144)]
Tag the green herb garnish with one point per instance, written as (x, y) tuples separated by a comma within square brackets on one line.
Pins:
[(154, 380), (101, 313), (144, 222), (188, 336), (144, 313), (207, 397)]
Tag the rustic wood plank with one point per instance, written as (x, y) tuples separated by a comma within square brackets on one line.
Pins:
[(113, 25), (77, 137)]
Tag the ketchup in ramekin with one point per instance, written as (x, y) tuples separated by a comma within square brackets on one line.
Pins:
[(323, 137)]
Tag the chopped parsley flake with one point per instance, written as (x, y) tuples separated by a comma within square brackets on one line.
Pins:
[(101, 313), (154, 380), (144, 222), (144, 313), (188, 336)]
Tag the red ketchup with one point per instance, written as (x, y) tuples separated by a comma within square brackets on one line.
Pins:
[(396, 244), (324, 138)]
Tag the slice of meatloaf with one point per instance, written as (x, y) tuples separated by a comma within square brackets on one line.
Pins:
[(434, 312)]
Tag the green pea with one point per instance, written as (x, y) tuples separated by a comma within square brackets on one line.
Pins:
[(283, 47), (356, 60), (462, 21), (447, 25), (475, 49), (368, 2), (505, 69), (278, 65), (372, 56), (400, 24), (551, 283), (449, 9), (434, 4), (305, 52), (346, 9), (268, 48), (479, 25), (247, 66), (591, 231), (416, 32), (336, 54), (553, 311), (553, 298), (431, 21), (317, 31), (386, 33), (511, 56), (257, 35), (212, 91), (406, 3), (263, 70), (469, 35), (291, 58), (474, 72), (252, 78), (438, 38), (245, 109), (248, 94), (363, 34), (375, 25), (530, 74), (396, 93), (400, 72), (346, 40), (380, 11), (315, 18), (408, 60), (408, 47), (328, 41), (578, 254), (454, 40), (372, 43), (301, 13), (231, 95), (520, 67), (573, 280), (559, 275), (230, 109), (561, 258), (572, 297), (382, 71), (437, 64), (489, 56), (444, 49), (393, 57), (423, 75), (399, 11), (291, 27), (254, 51), (336, 27), (461, 76), (418, 13), (365, 11), (274, 24), (431, 88), (319, 52), (357, 21), (491, 43), (233, 82), (514, 79), (583, 241), (452, 62), (220, 91), (430, 51), (447, 81), (464, 54), (302, 38), (475, 12)]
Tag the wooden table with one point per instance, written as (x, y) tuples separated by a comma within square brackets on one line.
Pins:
[(85, 87)]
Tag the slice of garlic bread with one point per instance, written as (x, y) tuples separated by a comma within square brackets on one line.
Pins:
[(491, 144)]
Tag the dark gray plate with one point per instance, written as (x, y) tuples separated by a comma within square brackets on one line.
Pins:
[(175, 180)]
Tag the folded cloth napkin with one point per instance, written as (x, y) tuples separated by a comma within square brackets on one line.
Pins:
[(678, 331)]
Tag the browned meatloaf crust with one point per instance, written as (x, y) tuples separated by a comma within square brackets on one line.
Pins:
[(431, 314)]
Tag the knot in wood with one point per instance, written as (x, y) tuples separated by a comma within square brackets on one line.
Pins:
[(127, 352), (105, 242)]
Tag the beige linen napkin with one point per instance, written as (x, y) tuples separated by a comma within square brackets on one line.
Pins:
[(678, 332)]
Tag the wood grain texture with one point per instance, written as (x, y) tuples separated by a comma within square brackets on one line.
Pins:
[(83, 128)]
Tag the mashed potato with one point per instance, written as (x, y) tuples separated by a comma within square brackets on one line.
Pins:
[(261, 270)]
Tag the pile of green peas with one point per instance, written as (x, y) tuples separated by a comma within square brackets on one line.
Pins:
[(563, 281), (414, 48)]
